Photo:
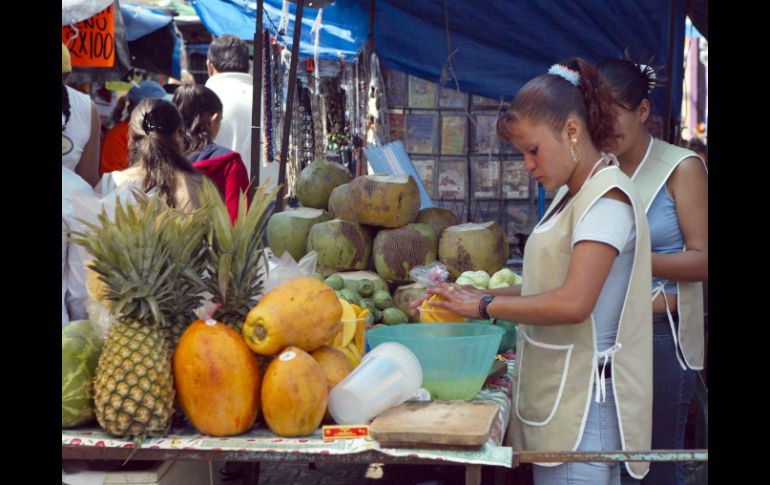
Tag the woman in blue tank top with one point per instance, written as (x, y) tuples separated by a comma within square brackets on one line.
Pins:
[(678, 217)]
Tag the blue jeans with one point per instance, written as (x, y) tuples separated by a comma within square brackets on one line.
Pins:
[(672, 390), (601, 433)]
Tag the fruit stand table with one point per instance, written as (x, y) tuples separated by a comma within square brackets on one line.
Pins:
[(261, 445)]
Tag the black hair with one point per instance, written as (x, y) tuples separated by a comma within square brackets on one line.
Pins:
[(65, 105), (630, 82), (196, 102), (152, 130), (229, 53)]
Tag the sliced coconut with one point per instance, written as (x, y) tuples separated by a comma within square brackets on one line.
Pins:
[(340, 245), (384, 200), (397, 251), (473, 247), (288, 230), (438, 218), (339, 204), (404, 295)]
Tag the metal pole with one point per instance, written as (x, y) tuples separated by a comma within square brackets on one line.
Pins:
[(256, 101), (289, 106), (666, 135)]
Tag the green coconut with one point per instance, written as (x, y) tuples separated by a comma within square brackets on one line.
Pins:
[(438, 218), (80, 349), (404, 295), (473, 247), (288, 230), (397, 251), (340, 245), (339, 204), (316, 182), (384, 200)]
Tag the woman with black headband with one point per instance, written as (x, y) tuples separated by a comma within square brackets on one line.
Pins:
[(673, 185), (155, 157)]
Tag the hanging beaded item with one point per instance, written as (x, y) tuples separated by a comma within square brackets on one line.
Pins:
[(317, 110), (307, 142), (268, 99)]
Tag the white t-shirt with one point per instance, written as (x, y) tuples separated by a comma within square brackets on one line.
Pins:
[(78, 130), (235, 90), (611, 222)]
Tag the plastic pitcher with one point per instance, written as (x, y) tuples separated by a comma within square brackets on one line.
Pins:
[(387, 376)]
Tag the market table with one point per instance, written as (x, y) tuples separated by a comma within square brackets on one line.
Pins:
[(261, 445)]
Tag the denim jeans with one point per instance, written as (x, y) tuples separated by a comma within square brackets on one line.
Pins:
[(601, 433), (672, 390)]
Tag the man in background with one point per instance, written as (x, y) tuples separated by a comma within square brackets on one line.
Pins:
[(228, 67)]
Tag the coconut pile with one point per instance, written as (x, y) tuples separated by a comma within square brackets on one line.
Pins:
[(374, 223)]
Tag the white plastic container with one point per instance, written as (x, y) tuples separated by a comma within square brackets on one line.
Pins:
[(388, 375)]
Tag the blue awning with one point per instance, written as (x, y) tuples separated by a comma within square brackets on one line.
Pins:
[(141, 21), (498, 44)]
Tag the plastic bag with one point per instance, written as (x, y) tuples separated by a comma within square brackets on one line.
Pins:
[(284, 269), (430, 275), (86, 207)]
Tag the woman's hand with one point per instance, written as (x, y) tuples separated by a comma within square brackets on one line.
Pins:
[(460, 299)]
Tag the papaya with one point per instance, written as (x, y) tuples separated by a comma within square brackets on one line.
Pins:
[(294, 393), (432, 314), (303, 312), (336, 366), (217, 379)]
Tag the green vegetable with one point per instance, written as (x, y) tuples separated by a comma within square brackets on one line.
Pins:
[(393, 316), (336, 282), (504, 278), (382, 300)]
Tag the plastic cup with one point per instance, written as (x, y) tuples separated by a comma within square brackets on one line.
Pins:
[(388, 375)]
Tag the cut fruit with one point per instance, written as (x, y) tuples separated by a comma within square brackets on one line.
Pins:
[(348, 331), (348, 313), (360, 338)]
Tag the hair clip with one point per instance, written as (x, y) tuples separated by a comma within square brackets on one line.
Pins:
[(566, 73)]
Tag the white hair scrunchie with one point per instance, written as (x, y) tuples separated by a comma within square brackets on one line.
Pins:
[(566, 73)]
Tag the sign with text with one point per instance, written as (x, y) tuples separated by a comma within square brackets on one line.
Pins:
[(92, 42)]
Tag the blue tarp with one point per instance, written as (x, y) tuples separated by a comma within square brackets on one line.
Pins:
[(141, 21), (345, 24), (499, 44)]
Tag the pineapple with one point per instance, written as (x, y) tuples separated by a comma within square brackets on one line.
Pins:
[(234, 271), (138, 256)]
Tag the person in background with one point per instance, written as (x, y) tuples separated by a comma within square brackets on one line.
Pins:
[(583, 376), (156, 163), (115, 146), (81, 127), (73, 279), (673, 185), (228, 68), (201, 112)]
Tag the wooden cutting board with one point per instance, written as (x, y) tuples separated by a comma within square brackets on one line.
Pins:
[(435, 424)]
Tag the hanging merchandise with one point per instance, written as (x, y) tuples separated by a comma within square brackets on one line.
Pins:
[(318, 112), (374, 115), (267, 102), (306, 140), (338, 135)]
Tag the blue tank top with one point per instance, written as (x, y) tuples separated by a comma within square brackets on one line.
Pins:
[(665, 233)]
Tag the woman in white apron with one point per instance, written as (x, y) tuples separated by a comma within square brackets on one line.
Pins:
[(673, 186), (583, 376)]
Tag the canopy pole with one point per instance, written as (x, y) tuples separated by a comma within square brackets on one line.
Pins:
[(256, 101), (280, 203)]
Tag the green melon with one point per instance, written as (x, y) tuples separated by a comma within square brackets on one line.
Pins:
[(80, 349)]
